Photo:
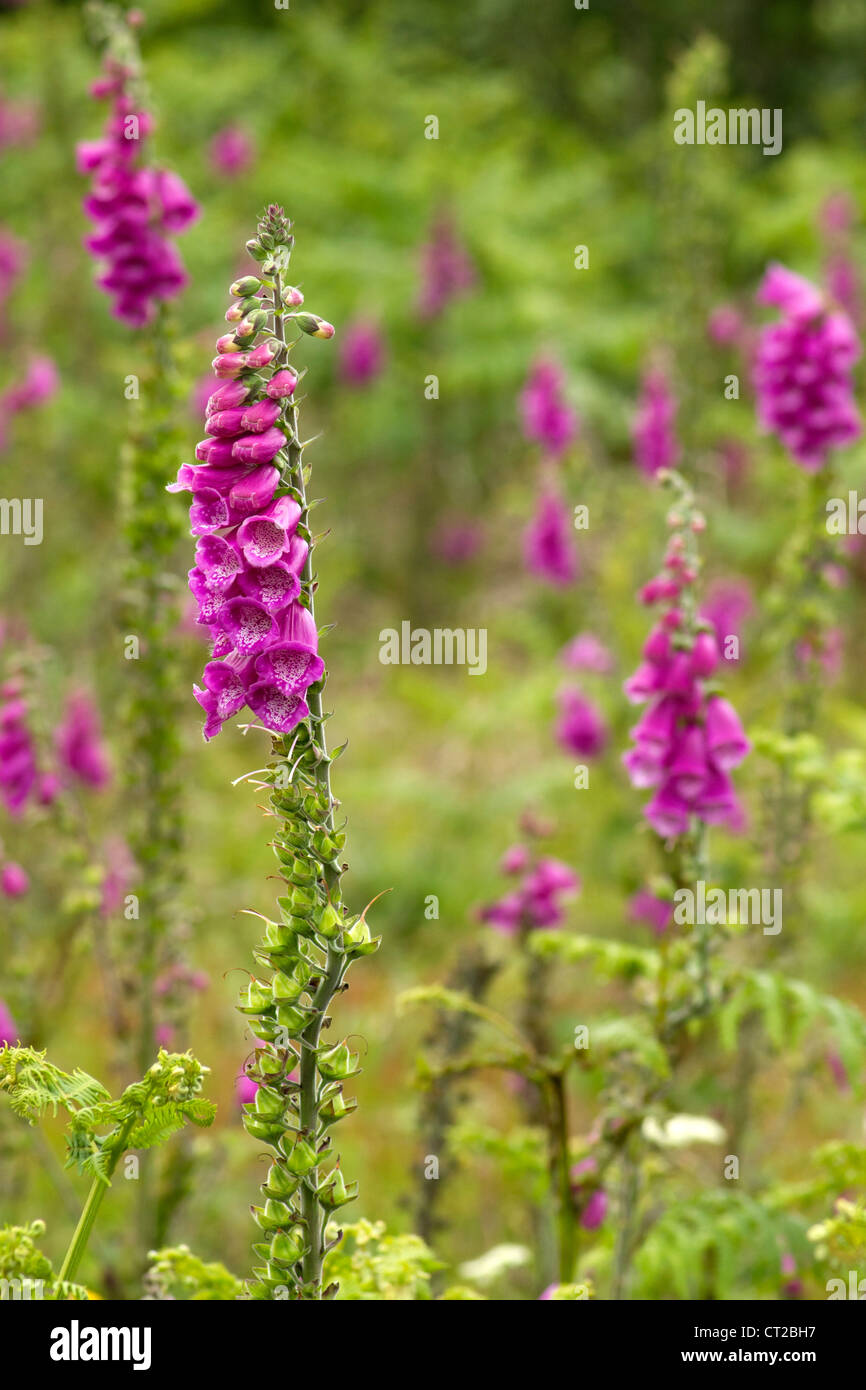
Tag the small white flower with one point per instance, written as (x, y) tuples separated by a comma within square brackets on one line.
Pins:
[(493, 1262), (681, 1130)]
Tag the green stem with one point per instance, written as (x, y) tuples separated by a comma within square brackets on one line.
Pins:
[(90, 1211), (565, 1213), (335, 962)]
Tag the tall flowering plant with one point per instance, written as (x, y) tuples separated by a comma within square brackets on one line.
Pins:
[(255, 587), (136, 209), (690, 736), (804, 384)]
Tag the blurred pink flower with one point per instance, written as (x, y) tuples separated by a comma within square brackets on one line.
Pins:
[(361, 353), (19, 123), (231, 151), (725, 325), (655, 442), (8, 1031), (587, 653), (14, 882), (118, 875), (78, 740), (580, 728), (456, 540), (548, 547), (653, 912), (547, 417), (447, 272), (727, 605)]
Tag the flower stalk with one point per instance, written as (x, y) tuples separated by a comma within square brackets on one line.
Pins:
[(255, 583)]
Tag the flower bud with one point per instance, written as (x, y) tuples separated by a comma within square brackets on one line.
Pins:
[(247, 285), (228, 343), (263, 354), (312, 324), (230, 364), (281, 384), (253, 324), (292, 297), (257, 251)]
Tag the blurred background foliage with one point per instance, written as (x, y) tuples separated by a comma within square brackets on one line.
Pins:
[(555, 130)]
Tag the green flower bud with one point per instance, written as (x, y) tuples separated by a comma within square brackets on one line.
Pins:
[(248, 285), (312, 324)]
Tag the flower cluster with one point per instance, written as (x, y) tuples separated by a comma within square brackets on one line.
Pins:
[(547, 417), (538, 899), (803, 370), (689, 738), (655, 442), (135, 210), (249, 553)]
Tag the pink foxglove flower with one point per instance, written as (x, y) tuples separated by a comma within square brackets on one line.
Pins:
[(135, 209), (8, 1031), (580, 728), (840, 271), (362, 354), (587, 653), (78, 739), (656, 913), (548, 545), (19, 123), (18, 771), (538, 900), (447, 272), (547, 417), (690, 737), (249, 555), (803, 370), (14, 882), (727, 606), (231, 151), (456, 540), (655, 442), (725, 325)]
